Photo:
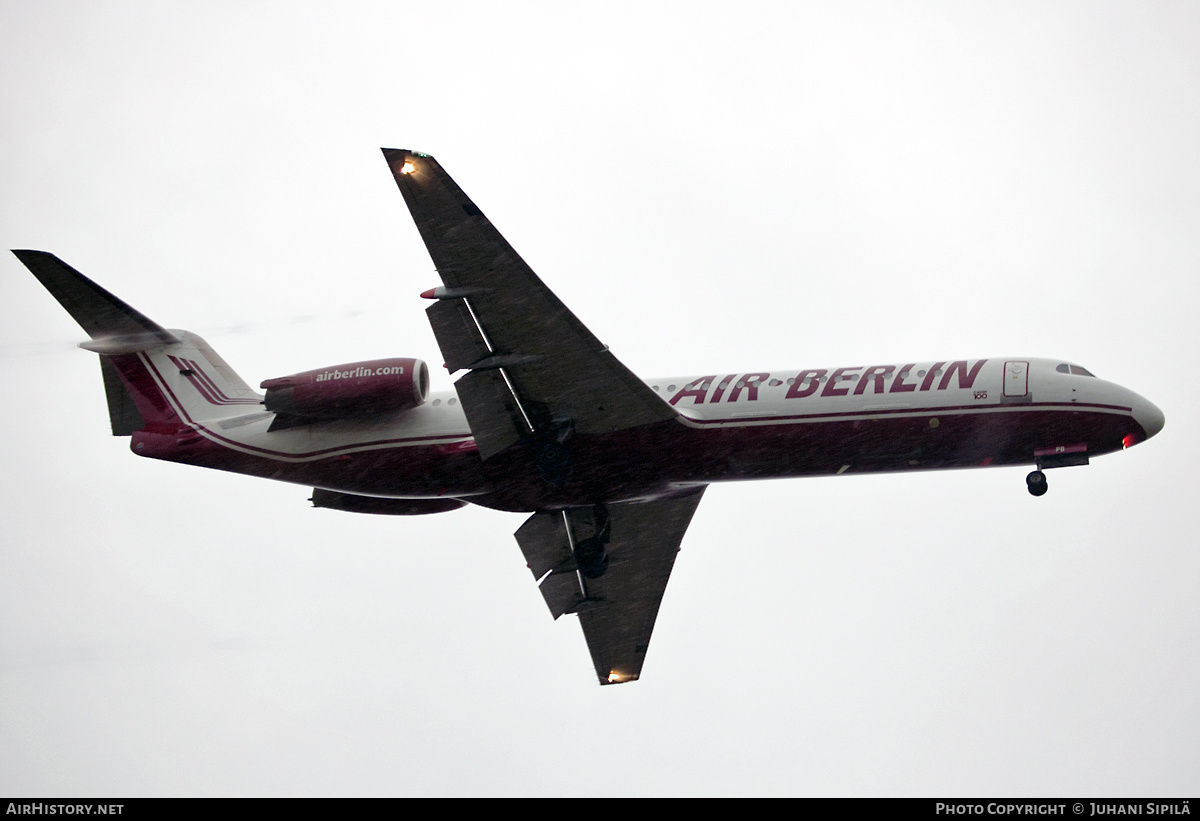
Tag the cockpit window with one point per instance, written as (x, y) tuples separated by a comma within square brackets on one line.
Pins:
[(1074, 369)]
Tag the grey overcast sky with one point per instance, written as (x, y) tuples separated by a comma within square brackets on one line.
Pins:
[(712, 187)]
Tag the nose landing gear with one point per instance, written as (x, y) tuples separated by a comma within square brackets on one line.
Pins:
[(1058, 456), (1036, 482)]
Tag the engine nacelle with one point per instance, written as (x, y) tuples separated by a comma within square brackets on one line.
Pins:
[(357, 388)]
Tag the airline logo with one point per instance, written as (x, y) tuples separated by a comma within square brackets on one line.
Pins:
[(357, 373), (205, 385), (855, 381)]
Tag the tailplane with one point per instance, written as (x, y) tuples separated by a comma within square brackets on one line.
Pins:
[(155, 379)]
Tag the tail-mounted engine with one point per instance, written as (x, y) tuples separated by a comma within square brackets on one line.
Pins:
[(356, 389)]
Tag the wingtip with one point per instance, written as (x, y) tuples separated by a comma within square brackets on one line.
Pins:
[(404, 152), (31, 257), (617, 678)]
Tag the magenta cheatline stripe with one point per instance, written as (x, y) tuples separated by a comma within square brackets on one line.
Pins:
[(974, 409)]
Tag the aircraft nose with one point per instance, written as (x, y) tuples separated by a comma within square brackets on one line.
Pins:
[(1148, 416)]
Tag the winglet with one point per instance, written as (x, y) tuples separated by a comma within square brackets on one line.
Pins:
[(97, 311)]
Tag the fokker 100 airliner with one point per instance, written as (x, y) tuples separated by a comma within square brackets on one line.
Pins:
[(546, 421)]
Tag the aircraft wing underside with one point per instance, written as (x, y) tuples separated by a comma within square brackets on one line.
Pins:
[(617, 609), (531, 364)]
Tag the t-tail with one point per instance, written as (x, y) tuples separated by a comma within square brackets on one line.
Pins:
[(156, 380)]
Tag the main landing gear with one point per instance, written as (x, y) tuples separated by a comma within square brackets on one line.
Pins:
[(1036, 482), (590, 553)]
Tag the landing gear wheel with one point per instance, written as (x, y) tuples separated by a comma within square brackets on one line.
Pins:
[(1036, 482), (590, 553), (553, 462), (591, 558)]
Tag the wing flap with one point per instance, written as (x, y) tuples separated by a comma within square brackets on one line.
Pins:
[(457, 334), (543, 541), (492, 411), (547, 549), (562, 593)]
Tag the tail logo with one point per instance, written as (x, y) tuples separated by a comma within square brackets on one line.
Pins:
[(205, 385)]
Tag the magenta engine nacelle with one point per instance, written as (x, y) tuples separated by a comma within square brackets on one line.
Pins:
[(376, 386)]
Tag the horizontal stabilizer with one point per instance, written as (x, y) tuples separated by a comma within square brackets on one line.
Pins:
[(152, 376), (97, 311)]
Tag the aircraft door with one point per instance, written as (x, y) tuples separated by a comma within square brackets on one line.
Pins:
[(1016, 380)]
